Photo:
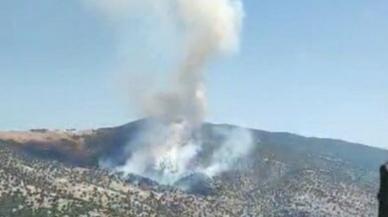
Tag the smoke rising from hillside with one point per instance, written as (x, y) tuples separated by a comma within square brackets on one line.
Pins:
[(169, 146)]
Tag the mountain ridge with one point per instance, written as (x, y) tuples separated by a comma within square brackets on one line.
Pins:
[(121, 134)]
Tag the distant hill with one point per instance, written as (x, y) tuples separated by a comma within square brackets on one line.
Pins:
[(285, 175), (85, 148)]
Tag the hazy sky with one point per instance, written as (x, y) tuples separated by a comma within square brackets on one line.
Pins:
[(317, 68)]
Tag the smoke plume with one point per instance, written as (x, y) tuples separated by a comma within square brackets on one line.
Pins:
[(168, 147)]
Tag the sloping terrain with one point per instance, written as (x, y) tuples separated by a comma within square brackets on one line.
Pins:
[(285, 175)]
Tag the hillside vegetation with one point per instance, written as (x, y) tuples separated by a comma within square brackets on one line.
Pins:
[(284, 176)]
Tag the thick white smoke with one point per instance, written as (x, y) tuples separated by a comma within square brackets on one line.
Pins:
[(238, 144), (208, 28), (211, 27)]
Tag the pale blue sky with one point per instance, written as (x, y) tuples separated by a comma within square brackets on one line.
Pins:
[(317, 68)]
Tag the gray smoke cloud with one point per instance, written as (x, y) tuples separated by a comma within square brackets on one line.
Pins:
[(167, 149)]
